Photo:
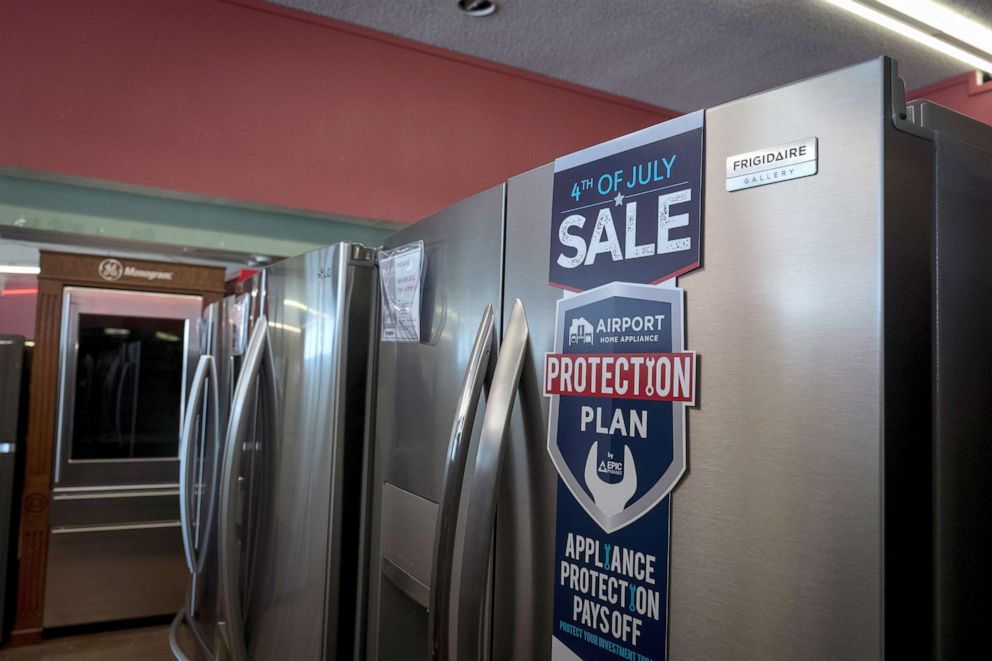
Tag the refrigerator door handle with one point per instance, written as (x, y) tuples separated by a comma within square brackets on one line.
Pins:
[(204, 370), (454, 468), (257, 363), (177, 650), (466, 625)]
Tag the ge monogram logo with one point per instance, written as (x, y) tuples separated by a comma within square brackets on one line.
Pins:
[(110, 269)]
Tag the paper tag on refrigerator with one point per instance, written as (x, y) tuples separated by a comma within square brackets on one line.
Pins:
[(401, 277)]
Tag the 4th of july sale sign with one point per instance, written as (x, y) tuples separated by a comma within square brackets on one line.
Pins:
[(629, 210)]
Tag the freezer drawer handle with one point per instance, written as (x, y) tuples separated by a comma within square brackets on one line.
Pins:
[(257, 363), (454, 469), (206, 372), (466, 625)]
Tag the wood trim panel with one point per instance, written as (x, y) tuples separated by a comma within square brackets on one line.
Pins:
[(59, 270), (38, 464), (124, 273)]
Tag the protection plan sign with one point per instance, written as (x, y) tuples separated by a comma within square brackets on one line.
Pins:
[(619, 381), (626, 216)]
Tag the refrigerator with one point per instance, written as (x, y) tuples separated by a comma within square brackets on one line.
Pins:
[(277, 571), (835, 467), (222, 333), (11, 361), (125, 360)]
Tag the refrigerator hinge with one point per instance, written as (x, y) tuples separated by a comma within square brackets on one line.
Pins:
[(363, 255), (901, 114)]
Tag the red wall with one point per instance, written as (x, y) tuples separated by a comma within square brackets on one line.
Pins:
[(18, 303), (962, 93), (245, 100)]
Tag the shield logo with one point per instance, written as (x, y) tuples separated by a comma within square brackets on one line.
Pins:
[(619, 381)]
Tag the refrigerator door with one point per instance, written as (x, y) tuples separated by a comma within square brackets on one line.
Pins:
[(963, 383), (292, 473), (11, 358), (420, 386), (126, 359), (201, 445), (810, 316)]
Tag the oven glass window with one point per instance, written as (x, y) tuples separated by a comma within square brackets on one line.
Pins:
[(129, 374)]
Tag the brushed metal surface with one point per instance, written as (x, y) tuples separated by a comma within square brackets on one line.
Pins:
[(523, 588), (223, 335), (485, 466), (776, 538), (197, 460), (419, 383), (410, 586), (442, 574), (254, 399), (94, 508), (776, 529), (302, 499), (418, 386), (408, 532), (99, 575)]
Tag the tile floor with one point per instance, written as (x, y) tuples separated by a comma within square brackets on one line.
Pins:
[(144, 644)]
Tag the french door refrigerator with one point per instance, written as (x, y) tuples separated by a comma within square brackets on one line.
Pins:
[(290, 488), (804, 525), (125, 361), (223, 337)]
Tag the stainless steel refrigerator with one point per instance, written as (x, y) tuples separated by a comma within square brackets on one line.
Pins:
[(11, 375), (284, 577), (125, 360), (223, 337), (814, 506)]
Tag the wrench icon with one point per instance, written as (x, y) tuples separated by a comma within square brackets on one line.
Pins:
[(611, 498)]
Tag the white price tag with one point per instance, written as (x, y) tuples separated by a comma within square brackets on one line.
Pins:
[(401, 275)]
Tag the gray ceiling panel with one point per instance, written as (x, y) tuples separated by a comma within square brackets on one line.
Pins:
[(679, 54)]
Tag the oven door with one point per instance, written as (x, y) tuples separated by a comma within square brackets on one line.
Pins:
[(124, 372)]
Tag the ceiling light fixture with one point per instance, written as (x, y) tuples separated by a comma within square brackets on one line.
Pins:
[(477, 8), (929, 24), (19, 270)]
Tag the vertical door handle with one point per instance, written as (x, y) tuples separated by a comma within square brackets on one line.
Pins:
[(466, 625), (454, 470), (206, 373), (177, 650), (257, 367)]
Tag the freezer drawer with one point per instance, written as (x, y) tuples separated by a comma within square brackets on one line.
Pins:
[(103, 573), (106, 508)]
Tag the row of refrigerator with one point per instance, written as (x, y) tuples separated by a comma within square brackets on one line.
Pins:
[(349, 496)]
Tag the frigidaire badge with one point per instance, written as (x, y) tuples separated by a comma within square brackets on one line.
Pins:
[(619, 380), (629, 209)]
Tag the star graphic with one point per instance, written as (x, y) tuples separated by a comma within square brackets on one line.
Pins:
[(618, 199)]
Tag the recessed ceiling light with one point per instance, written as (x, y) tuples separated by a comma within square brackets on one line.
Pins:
[(929, 24), (477, 7)]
